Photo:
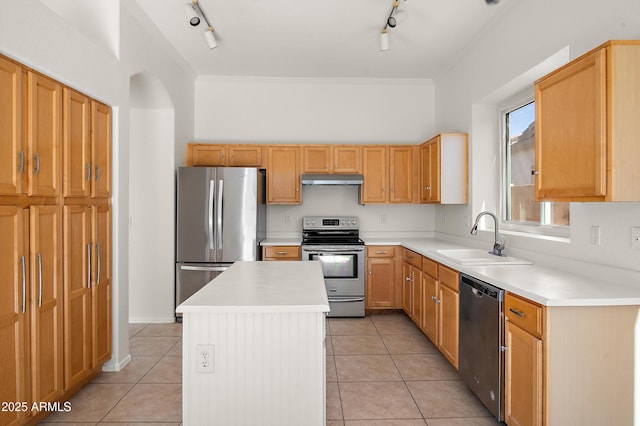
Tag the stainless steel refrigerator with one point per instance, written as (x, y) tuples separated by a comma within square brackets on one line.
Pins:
[(220, 219)]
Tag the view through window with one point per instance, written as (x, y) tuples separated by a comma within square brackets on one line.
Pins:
[(521, 206)]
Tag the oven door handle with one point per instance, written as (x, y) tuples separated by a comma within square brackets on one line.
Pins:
[(331, 250), (346, 299)]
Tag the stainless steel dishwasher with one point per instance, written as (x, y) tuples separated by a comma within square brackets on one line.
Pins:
[(481, 359)]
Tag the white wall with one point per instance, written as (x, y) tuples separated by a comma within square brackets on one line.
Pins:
[(524, 37), (36, 36), (273, 110)]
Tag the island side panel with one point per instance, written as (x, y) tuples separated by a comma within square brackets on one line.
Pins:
[(269, 369), (591, 375)]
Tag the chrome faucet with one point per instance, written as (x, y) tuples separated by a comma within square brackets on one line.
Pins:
[(498, 245)]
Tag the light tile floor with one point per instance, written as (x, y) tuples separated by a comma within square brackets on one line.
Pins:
[(381, 370)]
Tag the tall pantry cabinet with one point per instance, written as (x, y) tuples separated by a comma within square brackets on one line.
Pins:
[(55, 250)]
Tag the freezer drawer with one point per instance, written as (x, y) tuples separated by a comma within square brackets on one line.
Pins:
[(346, 307), (191, 277)]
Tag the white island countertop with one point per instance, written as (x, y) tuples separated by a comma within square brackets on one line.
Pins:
[(262, 287)]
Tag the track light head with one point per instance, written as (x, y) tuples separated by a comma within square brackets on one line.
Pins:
[(192, 16), (492, 1)]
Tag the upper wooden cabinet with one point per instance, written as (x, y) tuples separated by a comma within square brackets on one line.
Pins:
[(331, 159), (76, 144), (223, 155), (13, 152), (444, 173), (44, 135), (586, 131), (388, 173), (101, 150), (283, 174)]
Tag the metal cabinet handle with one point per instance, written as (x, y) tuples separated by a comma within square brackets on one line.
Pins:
[(433, 298), (517, 312), (97, 172), (89, 265), (427, 188), (40, 279), (23, 260), (37, 161), (21, 162), (99, 263), (281, 252), (409, 279), (438, 300), (88, 171), (381, 252)]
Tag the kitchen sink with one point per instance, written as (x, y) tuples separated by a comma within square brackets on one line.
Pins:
[(479, 257)]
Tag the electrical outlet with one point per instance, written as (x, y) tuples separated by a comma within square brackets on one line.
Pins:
[(595, 235), (635, 238), (205, 359), (383, 218)]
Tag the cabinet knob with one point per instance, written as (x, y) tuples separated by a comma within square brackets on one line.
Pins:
[(427, 188), (534, 172)]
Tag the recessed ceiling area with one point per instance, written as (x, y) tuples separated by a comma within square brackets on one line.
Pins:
[(324, 38)]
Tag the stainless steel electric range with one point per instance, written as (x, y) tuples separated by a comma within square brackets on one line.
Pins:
[(335, 242)]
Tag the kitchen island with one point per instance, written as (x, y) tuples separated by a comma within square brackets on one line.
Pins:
[(253, 346)]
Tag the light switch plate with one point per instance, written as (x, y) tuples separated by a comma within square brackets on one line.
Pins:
[(635, 238)]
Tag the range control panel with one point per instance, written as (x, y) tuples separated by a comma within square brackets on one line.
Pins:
[(330, 222)]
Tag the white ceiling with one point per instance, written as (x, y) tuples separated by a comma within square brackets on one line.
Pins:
[(323, 38)]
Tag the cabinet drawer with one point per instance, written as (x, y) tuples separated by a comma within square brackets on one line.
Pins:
[(524, 313), (282, 253), (449, 277), (412, 258), (380, 251), (430, 267)]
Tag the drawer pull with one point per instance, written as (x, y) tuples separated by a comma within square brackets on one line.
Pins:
[(381, 252), (517, 312), (281, 252)]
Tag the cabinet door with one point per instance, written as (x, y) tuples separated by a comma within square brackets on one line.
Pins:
[(208, 155), (430, 173), (449, 323), (45, 134), (430, 307), (523, 377), (347, 159), (417, 296), (283, 175), (14, 331), (380, 283), (13, 161), (101, 149), (407, 289), (77, 294), (376, 174), (244, 156), (571, 128), (76, 144), (316, 159), (101, 285), (281, 253), (46, 303), (401, 174)]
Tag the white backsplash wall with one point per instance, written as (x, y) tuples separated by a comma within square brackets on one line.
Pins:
[(376, 220)]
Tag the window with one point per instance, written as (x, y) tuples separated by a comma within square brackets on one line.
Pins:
[(520, 204)]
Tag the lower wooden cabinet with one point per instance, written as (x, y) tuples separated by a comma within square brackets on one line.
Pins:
[(101, 285), (380, 277), (412, 299), (523, 361)]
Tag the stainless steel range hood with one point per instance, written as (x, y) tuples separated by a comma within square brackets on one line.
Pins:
[(325, 179)]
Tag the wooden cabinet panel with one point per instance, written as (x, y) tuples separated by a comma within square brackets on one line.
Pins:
[(77, 294), (430, 173), (44, 135), (524, 313), (281, 253), (444, 170), (523, 377), (412, 258), (283, 175), (376, 174), (401, 174), (380, 282), (14, 311), (206, 155), (101, 150), (430, 307), (449, 323), (316, 159), (76, 144), (347, 159), (586, 127), (46, 303), (13, 154), (101, 284), (449, 277), (381, 251), (244, 156), (412, 296)]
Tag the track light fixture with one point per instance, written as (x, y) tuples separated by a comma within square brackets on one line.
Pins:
[(390, 23), (492, 1), (192, 9)]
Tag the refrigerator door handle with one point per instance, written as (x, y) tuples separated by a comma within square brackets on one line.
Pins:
[(204, 268), (212, 188), (219, 219)]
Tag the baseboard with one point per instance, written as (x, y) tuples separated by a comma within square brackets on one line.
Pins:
[(116, 366), (148, 320)]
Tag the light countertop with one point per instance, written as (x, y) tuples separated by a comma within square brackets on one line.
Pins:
[(547, 286), (262, 287), (281, 242)]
